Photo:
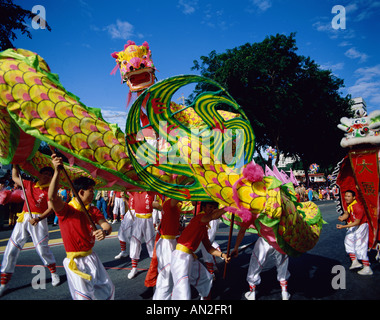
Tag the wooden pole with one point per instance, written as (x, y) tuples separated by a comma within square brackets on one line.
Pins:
[(62, 168), (23, 189), (78, 198), (229, 244)]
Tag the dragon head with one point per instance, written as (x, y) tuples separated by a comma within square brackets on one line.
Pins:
[(136, 65), (363, 130)]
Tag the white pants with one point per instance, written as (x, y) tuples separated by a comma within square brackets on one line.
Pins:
[(119, 205), (100, 287), (20, 235), (188, 271), (164, 284), (142, 228), (125, 230), (356, 241), (265, 257)]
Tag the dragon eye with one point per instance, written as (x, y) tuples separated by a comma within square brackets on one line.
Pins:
[(124, 62)]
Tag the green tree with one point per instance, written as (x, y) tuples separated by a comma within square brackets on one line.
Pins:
[(293, 105), (12, 18)]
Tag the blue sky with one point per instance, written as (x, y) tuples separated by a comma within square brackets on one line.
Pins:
[(85, 33)]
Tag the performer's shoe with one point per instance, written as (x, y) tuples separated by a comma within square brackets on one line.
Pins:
[(122, 254), (366, 271), (133, 273), (3, 288), (285, 295), (114, 221), (355, 264), (55, 280), (250, 295)]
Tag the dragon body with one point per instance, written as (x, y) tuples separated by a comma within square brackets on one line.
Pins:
[(197, 152)]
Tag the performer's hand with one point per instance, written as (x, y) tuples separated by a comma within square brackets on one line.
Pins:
[(99, 234), (57, 161), (33, 221), (234, 253), (226, 257), (339, 226)]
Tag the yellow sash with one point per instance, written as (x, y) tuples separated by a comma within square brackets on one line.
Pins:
[(73, 266), (349, 207), (41, 186), (76, 205), (20, 215), (181, 247), (163, 236), (143, 216)]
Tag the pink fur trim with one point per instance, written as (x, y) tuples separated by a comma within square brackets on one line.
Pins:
[(253, 172)]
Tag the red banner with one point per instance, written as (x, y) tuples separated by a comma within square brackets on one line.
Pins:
[(365, 164), (360, 172)]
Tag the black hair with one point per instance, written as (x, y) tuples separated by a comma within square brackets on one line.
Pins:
[(83, 183), (47, 169), (352, 192), (213, 203)]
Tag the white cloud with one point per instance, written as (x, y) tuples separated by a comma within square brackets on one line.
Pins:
[(353, 53), (120, 30), (324, 25), (187, 6), (367, 86), (259, 5), (333, 66), (262, 5), (116, 117)]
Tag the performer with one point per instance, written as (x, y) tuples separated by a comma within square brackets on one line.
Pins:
[(86, 275), (185, 267), (125, 230), (142, 227), (34, 224), (118, 205), (169, 230), (356, 240), (263, 257)]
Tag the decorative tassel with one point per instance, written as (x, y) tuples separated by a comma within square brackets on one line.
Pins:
[(114, 69)]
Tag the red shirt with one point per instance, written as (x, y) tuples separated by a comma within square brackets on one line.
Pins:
[(356, 212), (194, 233), (170, 219), (75, 229), (143, 201), (37, 197)]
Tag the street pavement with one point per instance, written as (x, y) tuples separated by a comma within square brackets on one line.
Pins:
[(312, 274)]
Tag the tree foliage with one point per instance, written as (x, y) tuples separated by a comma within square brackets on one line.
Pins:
[(293, 104), (13, 18)]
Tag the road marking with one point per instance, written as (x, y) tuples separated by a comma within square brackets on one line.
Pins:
[(52, 242)]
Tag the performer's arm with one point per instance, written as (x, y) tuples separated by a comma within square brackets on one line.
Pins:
[(56, 202), (15, 175), (105, 230), (349, 225), (344, 216), (211, 250), (239, 239), (214, 215), (42, 216)]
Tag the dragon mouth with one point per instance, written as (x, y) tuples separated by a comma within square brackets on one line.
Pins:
[(140, 79)]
